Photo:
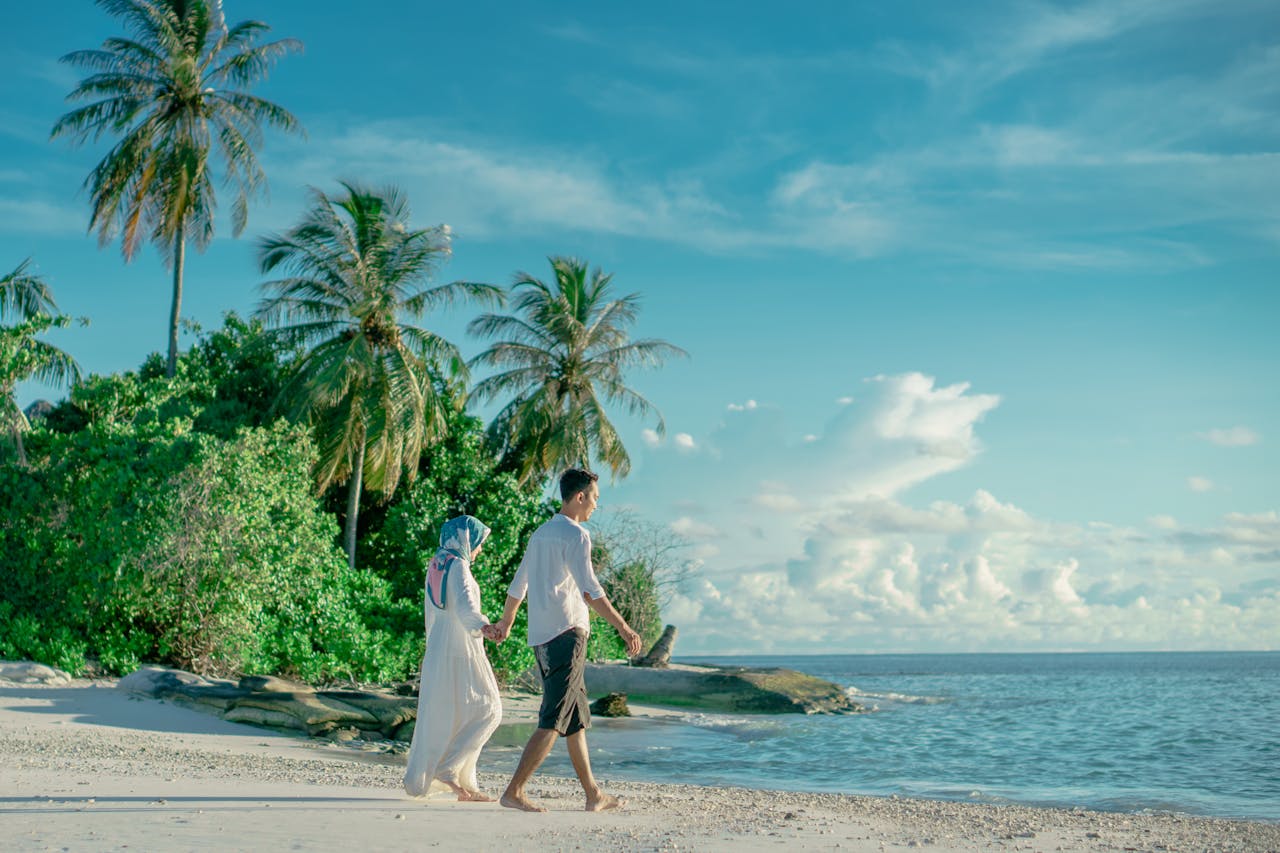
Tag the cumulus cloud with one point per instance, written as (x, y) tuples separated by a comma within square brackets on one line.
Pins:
[(1200, 484), (1238, 436), (684, 441), (965, 577), (650, 437), (831, 557)]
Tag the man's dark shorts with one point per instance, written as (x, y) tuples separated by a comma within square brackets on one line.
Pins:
[(562, 662)]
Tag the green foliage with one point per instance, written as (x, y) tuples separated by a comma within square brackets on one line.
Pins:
[(632, 589), (229, 379), (28, 309), (562, 356), (156, 532), (173, 520), (356, 273), (174, 94)]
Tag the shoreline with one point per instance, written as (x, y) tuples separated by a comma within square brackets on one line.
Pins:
[(92, 768)]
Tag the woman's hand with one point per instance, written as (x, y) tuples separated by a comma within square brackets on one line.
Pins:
[(495, 633)]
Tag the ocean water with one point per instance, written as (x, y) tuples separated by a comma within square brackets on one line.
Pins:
[(1196, 733)]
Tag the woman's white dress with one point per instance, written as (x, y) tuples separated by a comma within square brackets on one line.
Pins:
[(458, 703)]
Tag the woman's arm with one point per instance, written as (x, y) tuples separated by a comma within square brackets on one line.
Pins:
[(464, 595)]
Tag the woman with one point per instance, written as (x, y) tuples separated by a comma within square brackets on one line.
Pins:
[(458, 704)]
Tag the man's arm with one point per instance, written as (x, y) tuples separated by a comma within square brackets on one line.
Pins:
[(501, 629), (607, 612)]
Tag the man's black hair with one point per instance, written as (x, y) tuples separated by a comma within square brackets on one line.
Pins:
[(575, 480)]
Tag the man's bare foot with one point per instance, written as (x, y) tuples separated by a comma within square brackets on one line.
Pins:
[(519, 801), (603, 802)]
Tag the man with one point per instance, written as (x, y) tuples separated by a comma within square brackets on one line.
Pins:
[(556, 574)]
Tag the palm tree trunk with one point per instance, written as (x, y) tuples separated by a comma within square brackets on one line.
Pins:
[(179, 259), (17, 441), (353, 505)]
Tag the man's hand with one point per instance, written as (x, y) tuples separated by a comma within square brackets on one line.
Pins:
[(497, 632), (633, 641)]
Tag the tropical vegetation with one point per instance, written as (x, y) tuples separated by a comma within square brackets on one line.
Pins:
[(187, 512), (356, 274), (27, 310), (561, 363), (175, 95)]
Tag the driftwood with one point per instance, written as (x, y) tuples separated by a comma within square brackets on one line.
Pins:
[(659, 657)]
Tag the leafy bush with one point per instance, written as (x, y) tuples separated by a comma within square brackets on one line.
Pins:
[(151, 528), (173, 521)]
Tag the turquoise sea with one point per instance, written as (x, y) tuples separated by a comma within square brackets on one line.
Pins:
[(1197, 733)]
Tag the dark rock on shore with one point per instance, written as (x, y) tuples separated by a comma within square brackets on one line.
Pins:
[(612, 705), (743, 689), (265, 700)]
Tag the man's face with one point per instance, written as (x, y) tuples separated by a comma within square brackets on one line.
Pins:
[(590, 497)]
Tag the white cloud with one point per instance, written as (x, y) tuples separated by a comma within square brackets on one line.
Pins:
[(743, 407), (778, 501), (953, 579), (1199, 484), (650, 437), (1238, 436), (694, 529), (684, 442), (830, 542)]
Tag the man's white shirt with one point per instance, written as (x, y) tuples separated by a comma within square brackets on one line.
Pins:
[(555, 572)]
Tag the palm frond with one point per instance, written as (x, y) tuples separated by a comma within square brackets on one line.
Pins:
[(25, 293)]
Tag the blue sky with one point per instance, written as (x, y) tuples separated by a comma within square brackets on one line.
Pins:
[(980, 299)]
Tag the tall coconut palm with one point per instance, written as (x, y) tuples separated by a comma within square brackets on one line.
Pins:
[(562, 359), (173, 93), (356, 273), (28, 299)]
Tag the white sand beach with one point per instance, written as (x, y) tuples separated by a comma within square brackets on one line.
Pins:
[(90, 768)]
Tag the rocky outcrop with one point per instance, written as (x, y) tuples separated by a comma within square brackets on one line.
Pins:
[(269, 701), (29, 672), (743, 689), (611, 705)]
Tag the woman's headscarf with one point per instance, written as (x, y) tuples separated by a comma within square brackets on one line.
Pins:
[(458, 538)]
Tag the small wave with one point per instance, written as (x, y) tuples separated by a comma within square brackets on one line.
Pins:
[(715, 721), (744, 727), (895, 698)]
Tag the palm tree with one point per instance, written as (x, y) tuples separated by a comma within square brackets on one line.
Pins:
[(562, 359), (22, 355), (356, 272), (170, 93)]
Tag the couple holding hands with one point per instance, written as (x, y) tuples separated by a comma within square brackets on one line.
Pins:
[(458, 703)]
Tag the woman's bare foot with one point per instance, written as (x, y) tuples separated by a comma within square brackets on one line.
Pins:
[(519, 801), (603, 802), (466, 795)]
